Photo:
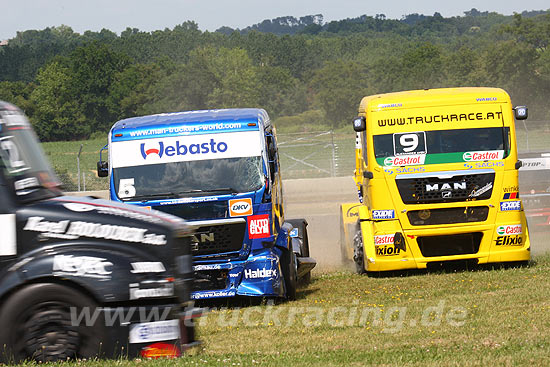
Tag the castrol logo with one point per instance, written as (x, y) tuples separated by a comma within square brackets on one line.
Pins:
[(386, 239), (509, 230), (493, 155), (240, 207), (405, 160)]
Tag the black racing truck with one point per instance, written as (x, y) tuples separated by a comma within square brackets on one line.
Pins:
[(83, 277)]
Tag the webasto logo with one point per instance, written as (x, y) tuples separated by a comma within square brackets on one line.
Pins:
[(183, 149)]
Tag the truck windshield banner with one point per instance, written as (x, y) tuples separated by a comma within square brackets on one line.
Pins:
[(185, 148)]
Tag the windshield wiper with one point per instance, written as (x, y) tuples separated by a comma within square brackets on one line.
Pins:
[(221, 189), (167, 195)]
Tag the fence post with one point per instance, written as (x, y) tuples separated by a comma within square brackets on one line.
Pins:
[(333, 165), (78, 165)]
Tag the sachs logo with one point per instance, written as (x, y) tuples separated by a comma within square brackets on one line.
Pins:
[(182, 149), (240, 207)]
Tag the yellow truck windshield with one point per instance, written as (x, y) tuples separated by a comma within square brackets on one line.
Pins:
[(442, 146)]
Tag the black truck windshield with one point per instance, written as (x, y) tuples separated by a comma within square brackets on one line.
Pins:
[(189, 178), (443, 141), (22, 160)]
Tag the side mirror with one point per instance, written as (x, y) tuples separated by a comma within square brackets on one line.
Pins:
[(520, 112), (103, 169), (360, 124)]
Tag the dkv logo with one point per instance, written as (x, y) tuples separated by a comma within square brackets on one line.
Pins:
[(240, 207), (182, 149)]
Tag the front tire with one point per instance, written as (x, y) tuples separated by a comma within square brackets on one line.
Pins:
[(358, 252), (288, 264), (37, 324)]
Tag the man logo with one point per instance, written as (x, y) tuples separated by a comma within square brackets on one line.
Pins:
[(145, 153), (240, 207)]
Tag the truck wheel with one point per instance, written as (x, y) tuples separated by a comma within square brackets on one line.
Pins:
[(36, 324), (288, 264), (358, 252)]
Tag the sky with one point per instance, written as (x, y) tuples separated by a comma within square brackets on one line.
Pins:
[(149, 15)]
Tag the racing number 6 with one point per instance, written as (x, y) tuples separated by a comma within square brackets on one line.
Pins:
[(409, 142)]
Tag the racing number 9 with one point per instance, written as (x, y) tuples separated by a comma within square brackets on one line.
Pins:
[(409, 143)]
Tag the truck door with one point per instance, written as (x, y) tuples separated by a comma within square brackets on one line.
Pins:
[(275, 180)]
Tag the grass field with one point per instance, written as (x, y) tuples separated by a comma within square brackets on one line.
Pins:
[(486, 317)]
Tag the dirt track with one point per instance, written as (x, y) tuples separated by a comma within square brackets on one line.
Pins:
[(318, 201)]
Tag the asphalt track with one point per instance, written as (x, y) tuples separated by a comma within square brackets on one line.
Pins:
[(318, 201)]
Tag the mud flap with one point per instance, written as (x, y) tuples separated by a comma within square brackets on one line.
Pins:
[(367, 232), (349, 214), (300, 246)]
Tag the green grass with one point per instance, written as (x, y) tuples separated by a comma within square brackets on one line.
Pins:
[(491, 317)]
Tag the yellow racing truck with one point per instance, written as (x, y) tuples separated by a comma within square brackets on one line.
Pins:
[(437, 176)]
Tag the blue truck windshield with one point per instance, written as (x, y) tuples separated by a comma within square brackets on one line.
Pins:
[(189, 178)]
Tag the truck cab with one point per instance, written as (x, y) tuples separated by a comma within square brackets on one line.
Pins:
[(81, 277), (219, 170), (437, 176)]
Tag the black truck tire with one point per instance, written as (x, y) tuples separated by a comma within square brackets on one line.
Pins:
[(358, 252), (37, 325), (288, 265)]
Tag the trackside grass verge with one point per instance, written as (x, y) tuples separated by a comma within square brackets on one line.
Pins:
[(483, 317)]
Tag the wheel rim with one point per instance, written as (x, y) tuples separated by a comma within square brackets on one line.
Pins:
[(48, 334)]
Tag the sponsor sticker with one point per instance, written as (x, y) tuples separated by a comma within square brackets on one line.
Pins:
[(294, 232), (387, 250), (185, 148), (154, 331), (510, 195), (509, 230), (260, 273), (240, 207), (383, 214), (8, 241), (509, 241), (408, 160), (482, 190), (72, 230), (82, 266), (213, 294), (147, 267), (258, 226), (506, 206), (490, 155), (207, 267), (166, 290), (386, 239)]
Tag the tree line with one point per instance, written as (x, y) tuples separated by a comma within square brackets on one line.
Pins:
[(74, 85)]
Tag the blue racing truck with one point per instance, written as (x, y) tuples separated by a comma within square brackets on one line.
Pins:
[(218, 169)]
